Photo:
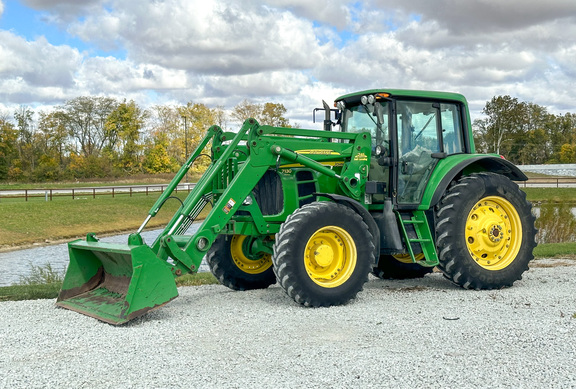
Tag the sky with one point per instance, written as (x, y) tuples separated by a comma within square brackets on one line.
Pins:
[(294, 52)]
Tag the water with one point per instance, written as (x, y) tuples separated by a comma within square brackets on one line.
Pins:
[(15, 264)]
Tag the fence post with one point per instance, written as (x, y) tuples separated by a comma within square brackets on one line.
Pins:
[(26, 194), (93, 193), (130, 191), (72, 193), (50, 194), (112, 192)]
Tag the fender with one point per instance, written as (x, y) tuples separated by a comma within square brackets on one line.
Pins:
[(363, 212), (459, 165)]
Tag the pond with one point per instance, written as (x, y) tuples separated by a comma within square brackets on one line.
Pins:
[(15, 264)]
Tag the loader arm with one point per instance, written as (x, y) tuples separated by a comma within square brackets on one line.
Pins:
[(266, 150), (116, 283)]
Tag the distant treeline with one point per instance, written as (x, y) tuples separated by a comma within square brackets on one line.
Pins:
[(526, 133), (101, 137)]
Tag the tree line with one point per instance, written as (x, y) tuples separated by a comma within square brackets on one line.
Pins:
[(525, 133), (102, 137)]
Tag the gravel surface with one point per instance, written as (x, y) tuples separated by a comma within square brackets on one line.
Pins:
[(407, 334)]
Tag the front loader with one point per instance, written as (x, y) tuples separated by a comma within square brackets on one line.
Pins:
[(392, 187)]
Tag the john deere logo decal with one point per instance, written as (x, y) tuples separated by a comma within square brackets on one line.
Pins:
[(360, 157)]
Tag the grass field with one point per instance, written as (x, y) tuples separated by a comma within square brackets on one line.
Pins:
[(63, 218), (551, 195)]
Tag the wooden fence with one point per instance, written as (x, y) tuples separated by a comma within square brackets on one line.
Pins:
[(49, 194)]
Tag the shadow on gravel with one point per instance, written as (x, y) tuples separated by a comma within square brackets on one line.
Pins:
[(431, 281)]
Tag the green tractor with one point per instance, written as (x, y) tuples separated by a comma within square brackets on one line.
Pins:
[(391, 186)]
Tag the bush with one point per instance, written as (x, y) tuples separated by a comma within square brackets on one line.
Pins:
[(43, 274)]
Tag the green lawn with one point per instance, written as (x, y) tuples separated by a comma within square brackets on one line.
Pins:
[(64, 218), (552, 195)]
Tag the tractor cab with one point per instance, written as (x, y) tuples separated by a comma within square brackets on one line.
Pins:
[(409, 136)]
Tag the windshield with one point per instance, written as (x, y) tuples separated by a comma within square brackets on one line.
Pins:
[(372, 118)]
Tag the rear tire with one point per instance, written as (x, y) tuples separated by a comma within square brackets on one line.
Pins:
[(395, 268), (323, 254), (232, 264), (485, 232)]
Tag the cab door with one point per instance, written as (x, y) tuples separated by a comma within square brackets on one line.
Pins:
[(427, 131), (419, 147)]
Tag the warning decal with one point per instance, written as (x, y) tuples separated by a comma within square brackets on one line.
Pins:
[(229, 206)]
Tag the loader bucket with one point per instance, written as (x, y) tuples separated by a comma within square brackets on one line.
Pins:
[(115, 283)]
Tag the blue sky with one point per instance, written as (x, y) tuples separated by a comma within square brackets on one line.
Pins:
[(294, 52)]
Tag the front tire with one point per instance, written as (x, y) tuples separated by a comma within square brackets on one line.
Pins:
[(232, 263), (323, 254), (485, 232)]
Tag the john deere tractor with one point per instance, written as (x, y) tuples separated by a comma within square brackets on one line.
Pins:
[(391, 185)]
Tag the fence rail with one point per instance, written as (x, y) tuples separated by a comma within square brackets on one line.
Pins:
[(549, 182), (49, 194)]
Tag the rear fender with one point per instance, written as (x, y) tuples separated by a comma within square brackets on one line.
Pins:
[(455, 166)]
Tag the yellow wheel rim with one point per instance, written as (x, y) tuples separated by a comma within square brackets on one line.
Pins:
[(248, 263), (330, 256), (493, 233), (406, 258)]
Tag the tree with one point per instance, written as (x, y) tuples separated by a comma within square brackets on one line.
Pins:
[(122, 128), (562, 130), (85, 119), (52, 127), (246, 110), (156, 158), (26, 138), (505, 117), (267, 114), (8, 146), (273, 115)]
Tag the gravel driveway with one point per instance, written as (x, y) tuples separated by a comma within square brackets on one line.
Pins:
[(418, 333)]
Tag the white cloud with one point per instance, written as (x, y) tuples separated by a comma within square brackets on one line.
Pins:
[(483, 16), (35, 70), (212, 38), (296, 52), (64, 11), (1, 8), (331, 12)]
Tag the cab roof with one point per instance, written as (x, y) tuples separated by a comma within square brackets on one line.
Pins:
[(406, 93)]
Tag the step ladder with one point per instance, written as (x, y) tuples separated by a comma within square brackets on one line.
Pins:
[(423, 236)]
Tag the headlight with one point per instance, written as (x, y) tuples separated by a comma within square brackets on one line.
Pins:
[(341, 105)]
